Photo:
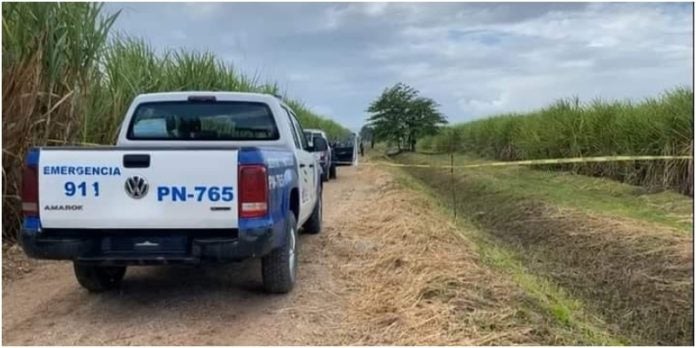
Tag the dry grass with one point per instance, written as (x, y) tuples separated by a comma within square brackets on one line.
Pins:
[(15, 263), (638, 276), (412, 281)]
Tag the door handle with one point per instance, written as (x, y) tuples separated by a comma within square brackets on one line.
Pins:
[(136, 161), (311, 166), (302, 165)]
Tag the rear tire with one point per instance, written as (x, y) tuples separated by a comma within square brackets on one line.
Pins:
[(332, 171), (279, 268), (99, 278), (313, 224)]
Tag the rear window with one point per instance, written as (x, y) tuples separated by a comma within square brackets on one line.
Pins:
[(214, 120)]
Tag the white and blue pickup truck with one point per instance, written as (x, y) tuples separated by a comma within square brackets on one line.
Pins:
[(195, 177), (322, 151)]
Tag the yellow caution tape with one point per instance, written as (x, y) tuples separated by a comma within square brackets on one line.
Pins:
[(493, 164), (532, 162)]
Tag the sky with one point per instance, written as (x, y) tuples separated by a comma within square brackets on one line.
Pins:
[(474, 59)]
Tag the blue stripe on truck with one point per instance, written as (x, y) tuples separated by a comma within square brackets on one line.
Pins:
[(32, 158), (250, 155), (277, 163), (31, 223)]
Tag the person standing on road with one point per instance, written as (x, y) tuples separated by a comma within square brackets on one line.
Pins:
[(362, 149)]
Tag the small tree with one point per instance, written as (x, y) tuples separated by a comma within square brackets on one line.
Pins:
[(401, 116), (366, 134), (424, 120)]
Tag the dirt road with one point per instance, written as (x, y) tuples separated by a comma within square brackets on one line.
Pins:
[(216, 304), (387, 269)]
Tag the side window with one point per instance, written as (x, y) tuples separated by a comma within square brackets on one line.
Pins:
[(294, 130), (303, 140)]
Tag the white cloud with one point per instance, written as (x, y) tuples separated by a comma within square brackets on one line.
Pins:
[(475, 59), (200, 10), (333, 17), (374, 9), (411, 70), (577, 63), (527, 64), (479, 106), (179, 34), (322, 109), (298, 77), (341, 15)]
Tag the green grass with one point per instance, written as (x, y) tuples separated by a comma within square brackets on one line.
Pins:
[(570, 321), (590, 194), (655, 126)]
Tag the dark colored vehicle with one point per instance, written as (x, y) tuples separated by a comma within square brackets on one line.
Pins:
[(344, 152)]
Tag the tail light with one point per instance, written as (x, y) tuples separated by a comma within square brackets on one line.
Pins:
[(253, 191), (30, 191)]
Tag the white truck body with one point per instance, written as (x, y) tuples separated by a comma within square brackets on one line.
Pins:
[(174, 162), (195, 177), (106, 206)]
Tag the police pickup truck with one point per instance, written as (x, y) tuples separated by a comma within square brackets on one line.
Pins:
[(322, 151), (195, 177)]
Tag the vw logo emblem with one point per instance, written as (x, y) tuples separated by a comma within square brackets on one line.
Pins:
[(136, 187)]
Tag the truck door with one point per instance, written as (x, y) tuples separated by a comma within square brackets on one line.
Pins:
[(308, 170)]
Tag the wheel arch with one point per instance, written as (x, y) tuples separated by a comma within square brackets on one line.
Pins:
[(295, 202)]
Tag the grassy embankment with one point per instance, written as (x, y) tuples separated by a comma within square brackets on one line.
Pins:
[(431, 282), (623, 250), (67, 80), (589, 250)]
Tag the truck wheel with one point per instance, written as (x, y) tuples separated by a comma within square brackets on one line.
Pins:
[(99, 278), (332, 171), (279, 268), (313, 224)]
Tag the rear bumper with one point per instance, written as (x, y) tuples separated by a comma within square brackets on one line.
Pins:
[(145, 247), (344, 155), (344, 159)]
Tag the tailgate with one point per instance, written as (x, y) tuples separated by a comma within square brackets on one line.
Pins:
[(115, 189)]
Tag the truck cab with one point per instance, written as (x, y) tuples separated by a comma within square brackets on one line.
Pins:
[(195, 177), (319, 143)]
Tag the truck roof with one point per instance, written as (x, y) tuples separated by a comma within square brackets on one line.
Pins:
[(229, 96), (313, 130)]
